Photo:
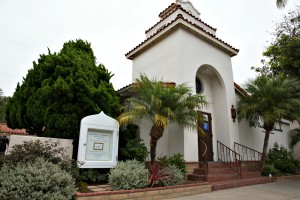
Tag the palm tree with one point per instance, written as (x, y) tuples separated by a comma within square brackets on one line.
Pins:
[(281, 3), (162, 103), (270, 100)]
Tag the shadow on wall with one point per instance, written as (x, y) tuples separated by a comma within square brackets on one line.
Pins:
[(296, 150)]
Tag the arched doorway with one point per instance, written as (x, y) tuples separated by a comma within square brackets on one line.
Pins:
[(208, 82)]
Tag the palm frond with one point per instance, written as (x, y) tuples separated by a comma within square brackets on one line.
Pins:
[(270, 100), (160, 103), (281, 3)]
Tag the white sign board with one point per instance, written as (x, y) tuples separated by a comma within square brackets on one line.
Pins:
[(98, 141)]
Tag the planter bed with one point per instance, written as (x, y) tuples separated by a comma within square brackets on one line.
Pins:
[(148, 193)]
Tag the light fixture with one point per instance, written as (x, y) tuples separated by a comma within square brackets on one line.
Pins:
[(233, 113)]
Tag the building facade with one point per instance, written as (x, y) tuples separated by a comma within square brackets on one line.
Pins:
[(181, 48)]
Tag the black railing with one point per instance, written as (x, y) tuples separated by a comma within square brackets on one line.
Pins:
[(250, 156), (229, 157), (204, 160)]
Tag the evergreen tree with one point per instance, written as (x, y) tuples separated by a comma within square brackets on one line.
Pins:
[(60, 90), (3, 102)]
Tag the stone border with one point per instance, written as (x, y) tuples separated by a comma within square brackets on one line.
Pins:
[(148, 193), (286, 178)]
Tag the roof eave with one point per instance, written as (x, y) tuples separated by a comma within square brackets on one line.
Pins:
[(180, 22)]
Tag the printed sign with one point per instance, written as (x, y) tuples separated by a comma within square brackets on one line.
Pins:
[(98, 146)]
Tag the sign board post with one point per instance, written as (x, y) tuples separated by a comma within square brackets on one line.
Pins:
[(98, 141)]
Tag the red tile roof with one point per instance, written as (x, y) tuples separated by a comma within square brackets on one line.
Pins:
[(176, 7), (179, 16), (240, 89), (134, 84), (237, 87), (5, 129)]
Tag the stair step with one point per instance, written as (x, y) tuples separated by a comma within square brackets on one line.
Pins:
[(195, 177), (225, 170), (239, 183), (250, 174), (223, 177)]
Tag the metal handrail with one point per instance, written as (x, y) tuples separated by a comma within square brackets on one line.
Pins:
[(205, 161), (229, 157), (250, 156)]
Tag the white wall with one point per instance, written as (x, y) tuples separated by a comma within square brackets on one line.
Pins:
[(177, 58), (254, 137)]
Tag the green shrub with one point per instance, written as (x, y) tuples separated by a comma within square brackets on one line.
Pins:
[(270, 169), (82, 187), (295, 137), (28, 151), (131, 147), (175, 176), (128, 175), (93, 175), (35, 180), (282, 159), (175, 160), (135, 149), (168, 176)]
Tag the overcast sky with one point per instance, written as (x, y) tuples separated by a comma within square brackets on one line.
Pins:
[(114, 27)]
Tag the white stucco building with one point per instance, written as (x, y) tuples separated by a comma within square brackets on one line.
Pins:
[(181, 48)]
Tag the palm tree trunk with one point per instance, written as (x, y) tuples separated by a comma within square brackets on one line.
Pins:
[(265, 148), (155, 133)]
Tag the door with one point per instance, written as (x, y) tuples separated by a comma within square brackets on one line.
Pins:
[(207, 138)]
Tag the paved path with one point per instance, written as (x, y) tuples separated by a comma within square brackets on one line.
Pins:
[(289, 190)]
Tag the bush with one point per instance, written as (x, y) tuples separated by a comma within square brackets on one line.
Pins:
[(175, 176), (93, 175), (270, 169), (82, 187), (295, 137), (29, 151), (131, 147), (282, 159), (175, 160), (34, 181), (168, 176), (50, 151), (128, 175), (135, 149)]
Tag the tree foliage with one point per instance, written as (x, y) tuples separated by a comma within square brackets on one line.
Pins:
[(161, 104), (60, 90), (3, 102), (283, 54), (281, 3), (270, 99)]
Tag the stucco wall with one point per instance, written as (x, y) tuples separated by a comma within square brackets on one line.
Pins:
[(177, 58), (254, 137)]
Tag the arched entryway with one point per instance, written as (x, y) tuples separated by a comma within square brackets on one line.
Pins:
[(208, 82)]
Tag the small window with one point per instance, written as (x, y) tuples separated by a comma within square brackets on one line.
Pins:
[(199, 86)]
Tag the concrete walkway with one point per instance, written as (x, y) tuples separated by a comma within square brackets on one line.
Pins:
[(289, 190)]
